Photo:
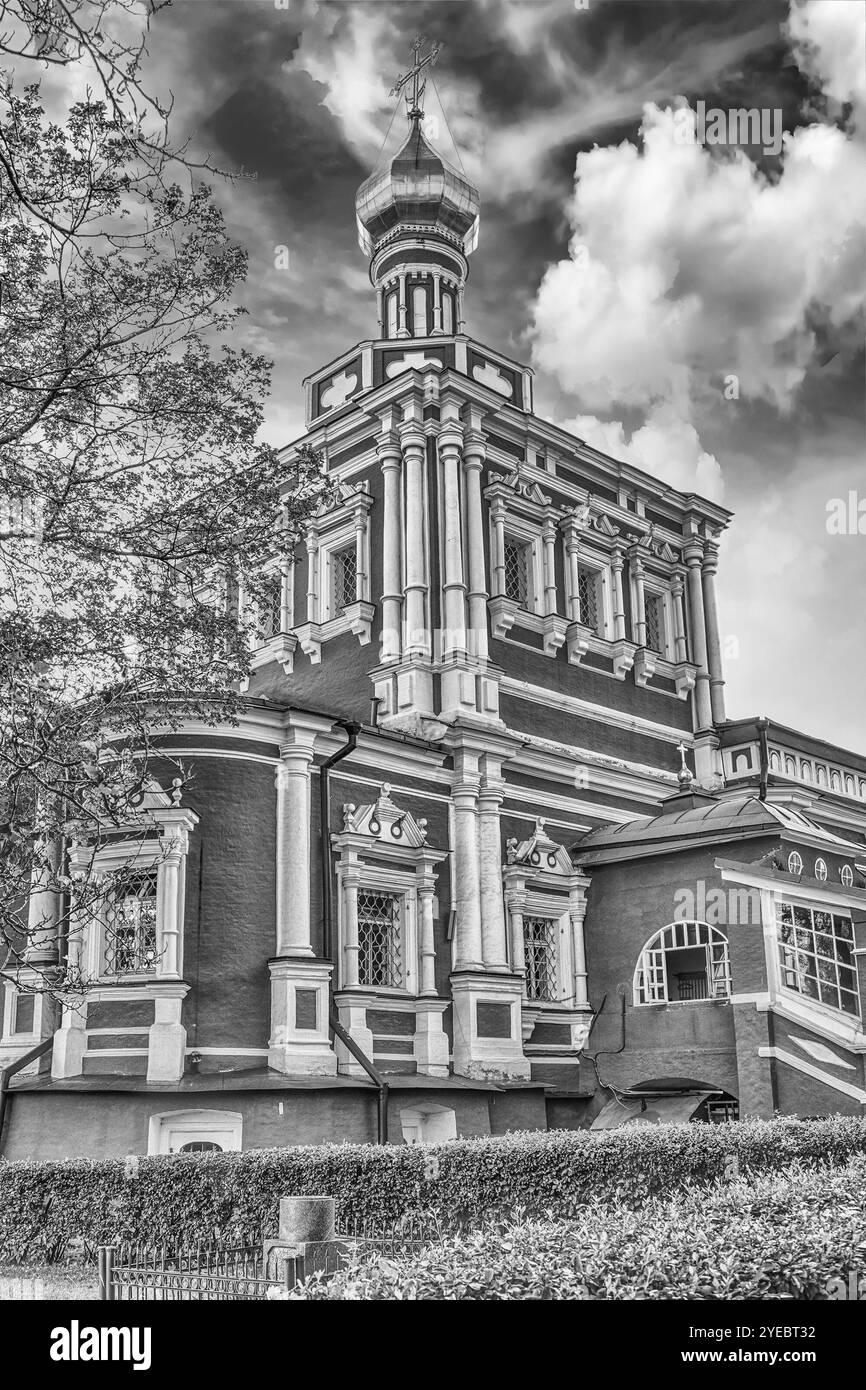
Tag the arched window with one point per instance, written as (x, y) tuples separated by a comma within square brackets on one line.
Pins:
[(447, 313), (684, 962), (391, 314), (419, 312)]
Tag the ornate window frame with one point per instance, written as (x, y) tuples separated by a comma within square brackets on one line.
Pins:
[(591, 540), (383, 849), (541, 881), (521, 510), (163, 853), (332, 531)]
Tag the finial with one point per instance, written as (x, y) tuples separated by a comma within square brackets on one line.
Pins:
[(684, 776), (414, 109), (176, 790)]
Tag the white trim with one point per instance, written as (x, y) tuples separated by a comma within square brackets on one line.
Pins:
[(228, 1051), (110, 1032), (799, 1064), (223, 1124), (118, 1052), (572, 704), (810, 892)]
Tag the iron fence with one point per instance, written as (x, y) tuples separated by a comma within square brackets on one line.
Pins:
[(137, 1272), (132, 1273)]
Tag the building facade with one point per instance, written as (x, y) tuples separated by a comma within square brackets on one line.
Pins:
[(484, 851)]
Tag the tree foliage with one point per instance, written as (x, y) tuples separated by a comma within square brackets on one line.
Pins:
[(136, 497)]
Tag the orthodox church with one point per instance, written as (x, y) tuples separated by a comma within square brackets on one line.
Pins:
[(484, 851)]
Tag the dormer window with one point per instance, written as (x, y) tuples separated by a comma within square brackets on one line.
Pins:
[(795, 862)]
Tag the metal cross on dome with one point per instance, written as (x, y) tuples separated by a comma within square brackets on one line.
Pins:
[(414, 76)]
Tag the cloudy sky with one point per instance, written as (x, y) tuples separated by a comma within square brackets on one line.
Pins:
[(695, 310)]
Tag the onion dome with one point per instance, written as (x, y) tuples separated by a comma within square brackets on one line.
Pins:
[(418, 193)]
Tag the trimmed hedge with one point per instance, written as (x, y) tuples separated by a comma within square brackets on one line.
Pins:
[(798, 1234), (50, 1211)]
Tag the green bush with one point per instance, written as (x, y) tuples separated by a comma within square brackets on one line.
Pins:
[(787, 1235), (48, 1210)]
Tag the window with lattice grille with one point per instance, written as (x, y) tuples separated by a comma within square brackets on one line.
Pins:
[(130, 928), (270, 610), (345, 577), (380, 945), (540, 950), (654, 606), (588, 597), (517, 561)]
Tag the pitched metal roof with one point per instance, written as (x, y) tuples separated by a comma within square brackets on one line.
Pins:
[(710, 820)]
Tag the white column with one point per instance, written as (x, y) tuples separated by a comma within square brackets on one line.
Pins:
[(679, 618), (168, 897), (473, 462), (498, 512), (548, 534), (516, 905), (437, 302), (43, 911), (414, 453), (493, 947), (711, 616), (426, 946), (287, 592), (693, 554), (293, 843), (639, 615), (402, 330), (350, 878), (312, 585), (572, 551), (467, 888), (616, 563), (453, 587), (361, 589), (390, 457), (577, 913)]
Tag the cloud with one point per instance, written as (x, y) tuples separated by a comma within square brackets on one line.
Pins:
[(828, 38), (690, 271), (665, 445)]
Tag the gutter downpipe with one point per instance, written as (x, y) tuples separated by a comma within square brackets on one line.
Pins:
[(9, 1071), (336, 1028)]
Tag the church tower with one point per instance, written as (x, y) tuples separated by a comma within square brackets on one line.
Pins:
[(418, 222)]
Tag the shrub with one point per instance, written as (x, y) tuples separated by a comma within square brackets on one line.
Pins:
[(787, 1235), (46, 1208)]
